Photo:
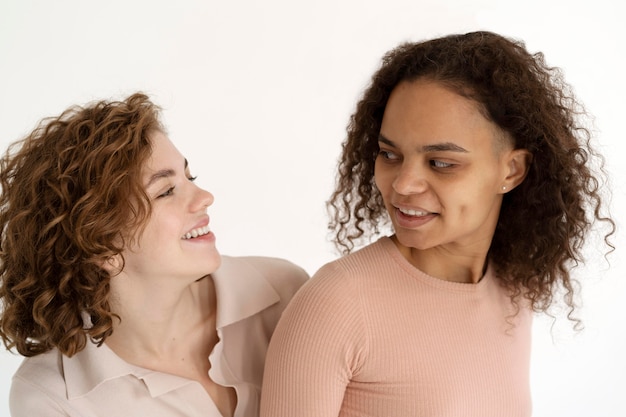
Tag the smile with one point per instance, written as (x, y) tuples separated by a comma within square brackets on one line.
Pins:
[(200, 231), (414, 213)]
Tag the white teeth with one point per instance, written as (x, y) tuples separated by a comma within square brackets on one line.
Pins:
[(197, 232), (416, 213)]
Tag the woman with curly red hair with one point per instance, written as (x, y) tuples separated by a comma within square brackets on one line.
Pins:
[(470, 147), (111, 285)]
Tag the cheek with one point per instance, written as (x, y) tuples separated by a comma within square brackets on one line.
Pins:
[(383, 188), (382, 179), (467, 197), (474, 203), (154, 233), (379, 184)]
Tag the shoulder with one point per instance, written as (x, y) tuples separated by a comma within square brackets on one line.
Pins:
[(38, 386), (45, 369), (343, 282), (284, 276), (254, 286), (376, 254), (326, 314), (350, 269)]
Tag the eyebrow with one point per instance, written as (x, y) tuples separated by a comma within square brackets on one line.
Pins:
[(437, 147), (164, 173)]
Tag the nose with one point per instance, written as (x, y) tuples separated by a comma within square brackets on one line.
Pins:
[(410, 179), (202, 199)]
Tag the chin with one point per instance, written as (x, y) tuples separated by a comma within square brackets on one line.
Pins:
[(206, 266), (414, 242), (216, 261)]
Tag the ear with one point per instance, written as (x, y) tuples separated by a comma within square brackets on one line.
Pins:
[(113, 265), (518, 164)]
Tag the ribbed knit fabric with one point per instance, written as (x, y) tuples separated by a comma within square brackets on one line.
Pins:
[(370, 335)]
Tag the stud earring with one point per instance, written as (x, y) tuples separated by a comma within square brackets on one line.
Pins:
[(503, 187)]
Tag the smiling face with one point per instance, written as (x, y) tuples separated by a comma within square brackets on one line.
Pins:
[(441, 169), (176, 241)]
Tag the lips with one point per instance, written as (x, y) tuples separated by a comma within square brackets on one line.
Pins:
[(198, 231), (412, 218), (414, 213), (412, 210)]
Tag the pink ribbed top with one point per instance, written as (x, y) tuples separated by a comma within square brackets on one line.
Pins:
[(370, 335)]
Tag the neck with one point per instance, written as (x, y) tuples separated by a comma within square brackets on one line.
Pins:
[(163, 325), (467, 265)]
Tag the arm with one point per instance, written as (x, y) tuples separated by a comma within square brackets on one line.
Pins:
[(317, 348)]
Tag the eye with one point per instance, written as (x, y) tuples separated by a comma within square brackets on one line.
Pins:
[(168, 193), (387, 155), (440, 164)]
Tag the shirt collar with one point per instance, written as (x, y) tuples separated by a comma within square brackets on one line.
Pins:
[(241, 291), (94, 365)]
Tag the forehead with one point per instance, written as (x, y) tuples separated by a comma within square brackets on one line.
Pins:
[(429, 112), (163, 152), (164, 162)]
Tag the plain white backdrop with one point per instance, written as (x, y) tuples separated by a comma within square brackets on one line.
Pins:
[(257, 95)]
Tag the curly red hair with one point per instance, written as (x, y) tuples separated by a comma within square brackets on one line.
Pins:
[(544, 221), (71, 198)]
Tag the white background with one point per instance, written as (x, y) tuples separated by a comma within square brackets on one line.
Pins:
[(257, 95)]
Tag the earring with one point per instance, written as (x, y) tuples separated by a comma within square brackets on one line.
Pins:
[(504, 188)]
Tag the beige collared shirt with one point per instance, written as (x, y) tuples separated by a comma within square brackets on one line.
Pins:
[(251, 294)]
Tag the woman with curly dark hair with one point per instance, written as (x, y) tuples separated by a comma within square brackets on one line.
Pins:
[(470, 147), (111, 285)]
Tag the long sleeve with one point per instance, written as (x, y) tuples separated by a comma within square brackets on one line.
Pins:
[(318, 346), (370, 335)]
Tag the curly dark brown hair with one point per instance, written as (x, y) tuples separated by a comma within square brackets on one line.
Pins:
[(71, 198), (544, 221)]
